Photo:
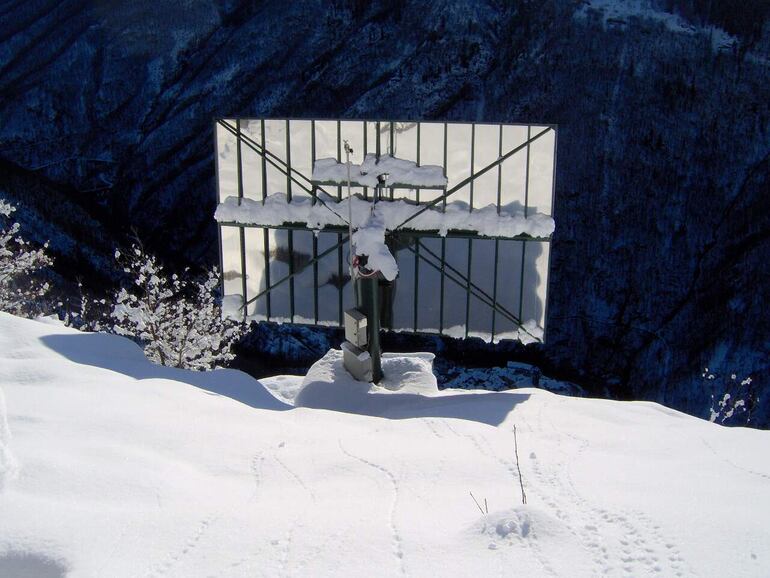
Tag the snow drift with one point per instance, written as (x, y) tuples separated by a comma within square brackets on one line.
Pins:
[(125, 468)]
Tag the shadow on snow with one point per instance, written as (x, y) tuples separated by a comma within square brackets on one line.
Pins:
[(340, 393)]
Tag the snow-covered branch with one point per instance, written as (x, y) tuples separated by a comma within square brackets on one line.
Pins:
[(178, 321), (19, 261)]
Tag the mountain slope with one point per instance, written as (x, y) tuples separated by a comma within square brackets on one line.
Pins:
[(663, 223)]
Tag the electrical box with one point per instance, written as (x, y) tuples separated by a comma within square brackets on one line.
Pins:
[(355, 327), (357, 361)]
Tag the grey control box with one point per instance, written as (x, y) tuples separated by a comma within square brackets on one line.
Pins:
[(355, 327), (357, 361)]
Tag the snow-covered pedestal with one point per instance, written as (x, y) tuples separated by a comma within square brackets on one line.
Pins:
[(328, 385)]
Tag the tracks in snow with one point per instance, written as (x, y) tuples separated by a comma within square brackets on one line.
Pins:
[(189, 546), (396, 541), (733, 464), (619, 543)]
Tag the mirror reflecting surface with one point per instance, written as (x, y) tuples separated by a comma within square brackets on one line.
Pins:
[(457, 285)]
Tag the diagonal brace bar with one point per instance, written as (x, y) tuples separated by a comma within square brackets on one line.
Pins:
[(274, 161), (473, 289), (297, 272), (471, 284), (467, 180), (463, 283)]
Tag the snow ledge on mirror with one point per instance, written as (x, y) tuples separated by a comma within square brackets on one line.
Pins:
[(276, 211), (401, 172)]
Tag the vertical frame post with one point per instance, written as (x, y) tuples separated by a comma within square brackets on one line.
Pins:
[(470, 241), (417, 246), (497, 241), (265, 231), (218, 193), (363, 157), (443, 247), (340, 270), (315, 235), (523, 244), (553, 215), (290, 231), (241, 230)]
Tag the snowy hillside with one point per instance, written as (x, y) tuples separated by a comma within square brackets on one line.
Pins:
[(111, 466)]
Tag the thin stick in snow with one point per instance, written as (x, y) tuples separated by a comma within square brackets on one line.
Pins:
[(477, 503), (516, 449)]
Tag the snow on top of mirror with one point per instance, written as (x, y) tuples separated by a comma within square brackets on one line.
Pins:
[(400, 173)]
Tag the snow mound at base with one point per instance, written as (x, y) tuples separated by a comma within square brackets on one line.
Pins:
[(407, 391), (515, 524), (328, 385)]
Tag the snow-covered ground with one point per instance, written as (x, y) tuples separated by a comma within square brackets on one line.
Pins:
[(112, 466)]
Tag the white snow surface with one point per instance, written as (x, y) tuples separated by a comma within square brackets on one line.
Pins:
[(369, 240), (401, 172), (275, 211), (124, 468)]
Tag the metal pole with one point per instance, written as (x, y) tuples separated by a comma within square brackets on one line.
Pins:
[(369, 298), (369, 288), (348, 152)]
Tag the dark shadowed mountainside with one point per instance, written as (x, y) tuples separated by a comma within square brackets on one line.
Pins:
[(660, 258)]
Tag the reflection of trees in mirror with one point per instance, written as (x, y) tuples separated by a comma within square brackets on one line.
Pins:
[(231, 275), (297, 258), (337, 280)]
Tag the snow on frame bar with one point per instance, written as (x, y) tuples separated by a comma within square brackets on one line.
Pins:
[(283, 211), (276, 211)]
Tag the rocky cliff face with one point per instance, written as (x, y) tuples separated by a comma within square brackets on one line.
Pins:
[(660, 259)]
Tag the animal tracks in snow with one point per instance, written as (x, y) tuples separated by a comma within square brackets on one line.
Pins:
[(190, 544), (618, 543), (395, 535)]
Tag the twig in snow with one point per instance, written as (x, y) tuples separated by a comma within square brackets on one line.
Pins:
[(516, 449), (479, 505)]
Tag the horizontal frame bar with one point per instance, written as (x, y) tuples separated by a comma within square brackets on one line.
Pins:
[(453, 233)]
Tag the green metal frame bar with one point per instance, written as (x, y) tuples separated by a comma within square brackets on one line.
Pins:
[(219, 229), (497, 242), (443, 241), (266, 234), (470, 241), (241, 232), (523, 245), (315, 237), (417, 260)]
